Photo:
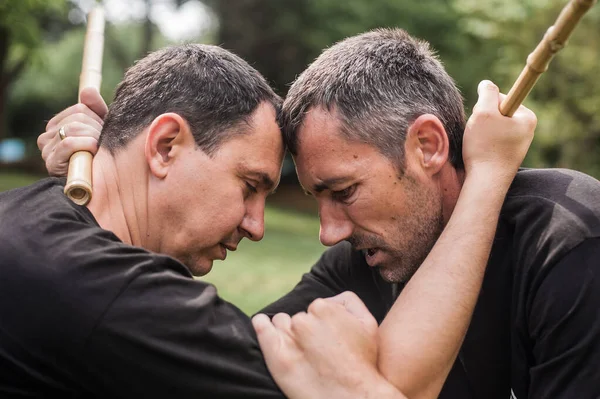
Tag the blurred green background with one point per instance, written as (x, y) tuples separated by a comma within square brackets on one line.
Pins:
[(40, 60)]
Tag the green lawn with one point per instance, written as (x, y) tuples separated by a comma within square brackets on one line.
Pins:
[(10, 180), (260, 272), (257, 273)]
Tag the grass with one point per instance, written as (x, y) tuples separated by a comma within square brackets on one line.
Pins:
[(257, 273), (10, 180)]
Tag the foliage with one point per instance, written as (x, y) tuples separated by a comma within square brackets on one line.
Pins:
[(47, 87), (566, 99), (475, 39), (27, 21), (24, 25)]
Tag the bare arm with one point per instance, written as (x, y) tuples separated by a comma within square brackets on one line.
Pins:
[(421, 335)]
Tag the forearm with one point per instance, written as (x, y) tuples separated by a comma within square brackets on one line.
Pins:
[(421, 335)]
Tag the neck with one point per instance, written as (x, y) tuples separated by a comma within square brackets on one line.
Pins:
[(451, 181), (119, 203)]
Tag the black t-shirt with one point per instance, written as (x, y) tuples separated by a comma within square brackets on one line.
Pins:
[(84, 315), (536, 326)]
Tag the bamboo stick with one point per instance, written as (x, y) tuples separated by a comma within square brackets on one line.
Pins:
[(79, 178), (537, 62)]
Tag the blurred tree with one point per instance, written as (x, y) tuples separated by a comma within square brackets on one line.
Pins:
[(50, 84), (47, 87), (147, 35), (280, 38), (566, 99), (23, 25), (475, 39)]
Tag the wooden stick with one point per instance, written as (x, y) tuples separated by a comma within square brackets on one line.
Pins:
[(537, 62), (79, 178)]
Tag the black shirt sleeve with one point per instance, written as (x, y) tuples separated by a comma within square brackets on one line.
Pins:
[(170, 336), (564, 326), (339, 269)]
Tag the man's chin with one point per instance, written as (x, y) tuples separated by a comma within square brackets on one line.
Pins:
[(391, 274), (201, 267)]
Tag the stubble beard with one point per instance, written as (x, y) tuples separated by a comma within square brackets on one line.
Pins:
[(422, 228)]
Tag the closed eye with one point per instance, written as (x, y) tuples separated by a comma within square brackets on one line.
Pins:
[(345, 194), (251, 188)]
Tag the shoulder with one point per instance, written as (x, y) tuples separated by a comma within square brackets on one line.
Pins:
[(166, 335), (551, 211), (59, 264), (556, 186)]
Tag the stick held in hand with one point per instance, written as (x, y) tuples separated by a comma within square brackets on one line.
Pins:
[(537, 62), (79, 178)]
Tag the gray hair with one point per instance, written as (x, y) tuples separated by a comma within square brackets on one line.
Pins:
[(378, 83), (211, 88)]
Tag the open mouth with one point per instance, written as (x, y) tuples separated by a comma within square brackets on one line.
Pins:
[(370, 254)]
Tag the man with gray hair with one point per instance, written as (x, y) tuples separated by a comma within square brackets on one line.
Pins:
[(375, 125)]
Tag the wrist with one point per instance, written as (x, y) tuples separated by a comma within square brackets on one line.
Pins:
[(489, 178), (385, 390)]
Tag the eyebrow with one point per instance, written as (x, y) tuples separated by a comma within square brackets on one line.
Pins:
[(327, 183)]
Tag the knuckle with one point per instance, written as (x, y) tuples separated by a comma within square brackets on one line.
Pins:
[(351, 296), (482, 114), (318, 306), (300, 321), (41, 142), (68, 143), (80, 108), (79, 128), (280, 319)]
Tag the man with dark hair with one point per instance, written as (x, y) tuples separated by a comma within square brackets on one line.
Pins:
[(99, 300), (135, 321)]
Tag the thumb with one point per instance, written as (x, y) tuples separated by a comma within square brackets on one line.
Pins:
[(91, 97)]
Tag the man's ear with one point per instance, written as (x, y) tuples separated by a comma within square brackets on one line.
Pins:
[(167, 136), (427, 142)]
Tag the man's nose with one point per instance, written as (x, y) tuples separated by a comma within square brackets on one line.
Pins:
[(253, 224), (335, 224)]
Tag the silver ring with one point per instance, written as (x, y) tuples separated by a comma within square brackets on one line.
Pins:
[(61, 133)]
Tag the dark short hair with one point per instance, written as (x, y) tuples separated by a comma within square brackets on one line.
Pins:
[(211, 88), (378, 83)]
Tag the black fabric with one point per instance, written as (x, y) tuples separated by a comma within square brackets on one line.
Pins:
[(84, 315), (536, 326)]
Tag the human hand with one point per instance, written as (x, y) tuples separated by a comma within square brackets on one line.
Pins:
[(494, 145), (328, 352), (81, 123)]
